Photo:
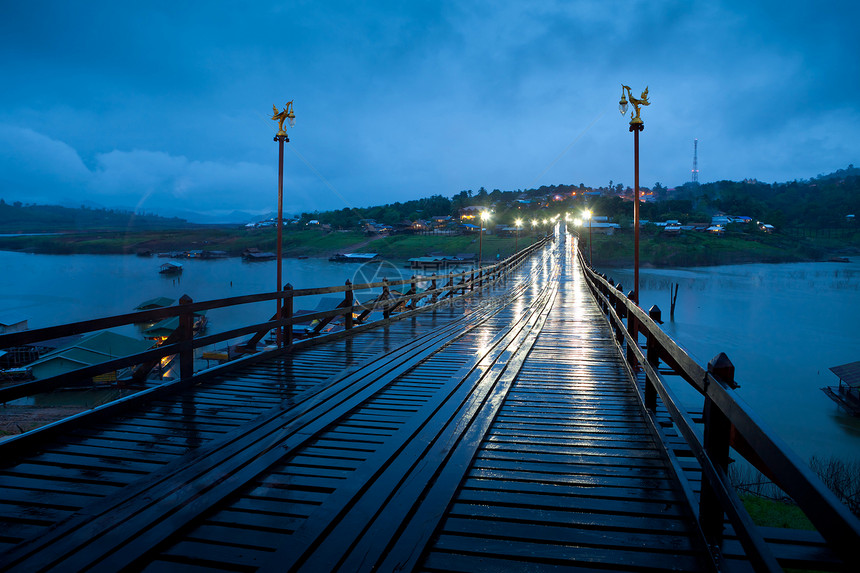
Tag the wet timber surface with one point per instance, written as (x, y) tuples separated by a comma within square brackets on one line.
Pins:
[(499, 435)]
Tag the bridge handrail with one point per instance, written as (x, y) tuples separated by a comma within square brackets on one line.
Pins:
[(729, 421), (471, 279)]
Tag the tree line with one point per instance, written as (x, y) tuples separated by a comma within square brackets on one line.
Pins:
[(821, 202)]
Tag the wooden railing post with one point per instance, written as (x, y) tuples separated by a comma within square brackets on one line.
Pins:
[(633, 330), (472, 281), (716, 442), (186, 329), (347, 302), (653, 357), (413, 288), (287, 313), (386, 293), (435, 295), (618, 305)]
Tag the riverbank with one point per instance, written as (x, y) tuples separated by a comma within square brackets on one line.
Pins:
[(702, 249), (656, 249), (313, 243)]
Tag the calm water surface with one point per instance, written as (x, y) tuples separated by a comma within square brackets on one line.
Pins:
[(53, 289), (783, 326)]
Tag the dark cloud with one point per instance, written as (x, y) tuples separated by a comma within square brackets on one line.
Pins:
[(166, 105)]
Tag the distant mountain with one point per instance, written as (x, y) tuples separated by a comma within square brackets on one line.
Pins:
[(19, 218)]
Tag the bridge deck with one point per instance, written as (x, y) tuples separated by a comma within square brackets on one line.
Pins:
[(497, 437)]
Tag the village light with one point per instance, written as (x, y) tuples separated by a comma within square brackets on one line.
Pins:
[(280, 116), (636, 125)]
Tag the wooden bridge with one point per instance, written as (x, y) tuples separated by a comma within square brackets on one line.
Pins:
[(514, 418)]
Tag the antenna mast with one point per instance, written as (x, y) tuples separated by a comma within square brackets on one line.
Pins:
[(695, 161)]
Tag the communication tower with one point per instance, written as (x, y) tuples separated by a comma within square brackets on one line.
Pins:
[(695, 161)]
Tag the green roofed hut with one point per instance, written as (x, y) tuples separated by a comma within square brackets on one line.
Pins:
[(847, 394), (157, 302), (88, 351)]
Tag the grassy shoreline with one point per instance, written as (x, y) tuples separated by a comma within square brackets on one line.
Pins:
[(656, 250)]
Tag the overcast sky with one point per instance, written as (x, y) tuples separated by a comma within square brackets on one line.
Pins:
[(165, 106)]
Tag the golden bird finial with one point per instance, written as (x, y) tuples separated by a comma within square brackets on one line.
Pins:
[(642, 101), (286, 114)]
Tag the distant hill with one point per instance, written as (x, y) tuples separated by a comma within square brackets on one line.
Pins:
[(19, 218), (851, 171)]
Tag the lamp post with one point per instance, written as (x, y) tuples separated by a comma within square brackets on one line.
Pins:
[(281, 137), (518, 223), (587, 215), (484, 217), (636, 125)]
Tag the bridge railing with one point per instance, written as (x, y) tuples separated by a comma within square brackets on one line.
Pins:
[(728, 423), (443, 290)]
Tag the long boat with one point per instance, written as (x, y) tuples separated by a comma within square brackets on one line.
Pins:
[(353, 257)]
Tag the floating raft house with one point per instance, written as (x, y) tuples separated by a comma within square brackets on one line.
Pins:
[(847, 394)]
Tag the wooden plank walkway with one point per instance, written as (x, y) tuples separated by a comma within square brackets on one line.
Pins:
[(504, 436)]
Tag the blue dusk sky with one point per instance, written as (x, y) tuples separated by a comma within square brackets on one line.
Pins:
[(165, 106)]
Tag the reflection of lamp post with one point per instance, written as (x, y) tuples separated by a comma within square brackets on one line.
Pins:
[(587, 215), (518, 223), (636, 125), (534, 226), (281, 137), (484, 217)]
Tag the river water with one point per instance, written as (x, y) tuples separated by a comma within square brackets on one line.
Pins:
[(782, 325), (54, 289)]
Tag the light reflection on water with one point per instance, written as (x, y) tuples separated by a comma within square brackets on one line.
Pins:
[(782, 326)]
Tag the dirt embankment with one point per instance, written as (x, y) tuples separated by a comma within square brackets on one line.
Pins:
[(16, 419)]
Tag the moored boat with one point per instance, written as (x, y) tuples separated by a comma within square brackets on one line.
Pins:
[(170, 269)]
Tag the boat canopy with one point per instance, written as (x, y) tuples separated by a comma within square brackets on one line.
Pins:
[(848, 373)]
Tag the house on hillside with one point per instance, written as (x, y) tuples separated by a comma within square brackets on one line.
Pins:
[(469, 214), (441, 222)]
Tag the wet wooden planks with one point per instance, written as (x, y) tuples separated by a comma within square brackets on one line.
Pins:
[(339, 458), (62, 476), (568, 476)]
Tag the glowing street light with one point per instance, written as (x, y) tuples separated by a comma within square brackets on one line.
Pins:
[(518, 223), (636, 125), (280, 116), (485, 216)]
